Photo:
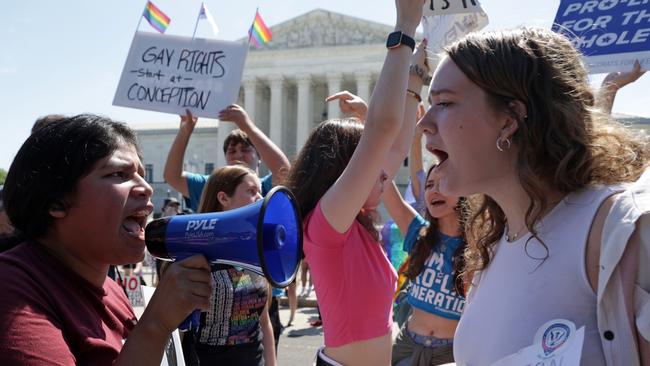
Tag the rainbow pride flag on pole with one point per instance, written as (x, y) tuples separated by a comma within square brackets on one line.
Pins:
[(155, 17), (259, 34)]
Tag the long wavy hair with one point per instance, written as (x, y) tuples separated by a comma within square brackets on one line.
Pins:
[(321, 162), (430, 238), (565, 142)]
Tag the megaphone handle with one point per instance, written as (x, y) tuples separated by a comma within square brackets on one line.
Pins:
[(193, 320)]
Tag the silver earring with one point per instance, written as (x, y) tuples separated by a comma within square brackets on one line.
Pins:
[(505, 142)]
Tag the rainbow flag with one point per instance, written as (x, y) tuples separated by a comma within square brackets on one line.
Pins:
[(259, 33), (155, 17)]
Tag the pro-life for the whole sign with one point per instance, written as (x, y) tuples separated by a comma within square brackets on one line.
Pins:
[(611, 34)]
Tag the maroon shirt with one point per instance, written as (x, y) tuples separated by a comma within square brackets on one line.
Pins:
[(51, 315)]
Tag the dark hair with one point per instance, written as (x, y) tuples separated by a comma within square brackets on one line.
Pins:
[(321, 162), (564, 143), (224, 179), (236, 137), (430, 238), (50, 163), (42, 121)]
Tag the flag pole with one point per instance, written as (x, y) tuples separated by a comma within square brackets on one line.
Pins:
[(197, 22), (141, 16), (250, 30)]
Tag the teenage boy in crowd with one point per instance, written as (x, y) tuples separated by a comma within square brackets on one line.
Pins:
[(247, 144)]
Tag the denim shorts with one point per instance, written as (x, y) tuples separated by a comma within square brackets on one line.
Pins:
[(429, 341)]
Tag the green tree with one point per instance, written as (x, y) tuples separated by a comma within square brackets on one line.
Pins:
[(3, 176)]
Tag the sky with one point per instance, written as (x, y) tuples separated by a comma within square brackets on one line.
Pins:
[(67, 56)]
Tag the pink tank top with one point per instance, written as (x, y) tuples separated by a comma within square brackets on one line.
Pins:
[(354, 281), (519, 292)]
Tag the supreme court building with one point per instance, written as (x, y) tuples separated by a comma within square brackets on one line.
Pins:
[(283, 90)]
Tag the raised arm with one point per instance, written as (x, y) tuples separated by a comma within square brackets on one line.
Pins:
[(612, 83), (401, 212), (415, 159), (173, 173), (269, 152), (343, 201), (402, 144), (350, 104)]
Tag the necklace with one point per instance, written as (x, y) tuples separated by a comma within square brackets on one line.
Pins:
[(516, 235)]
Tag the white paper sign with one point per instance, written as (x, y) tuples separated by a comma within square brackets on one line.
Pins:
[(172, 73), (133, 290), (443, 30), (173, 355), (556, 343), (446, 7)]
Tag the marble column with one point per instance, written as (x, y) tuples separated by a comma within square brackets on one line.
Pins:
[(275, 124), (334, 81), (250, 93), (363, 85), (304, 115)]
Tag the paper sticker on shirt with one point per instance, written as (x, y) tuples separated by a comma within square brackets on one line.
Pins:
[(557, 342)]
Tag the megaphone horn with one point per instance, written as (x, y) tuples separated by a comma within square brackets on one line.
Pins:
[(264, 237)]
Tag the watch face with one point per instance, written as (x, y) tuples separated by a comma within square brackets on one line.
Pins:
[(394, 39)]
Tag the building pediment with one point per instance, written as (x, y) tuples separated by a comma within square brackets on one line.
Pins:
[(322, 28)]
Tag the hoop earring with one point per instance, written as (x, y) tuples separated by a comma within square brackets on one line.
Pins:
[(507, 144)]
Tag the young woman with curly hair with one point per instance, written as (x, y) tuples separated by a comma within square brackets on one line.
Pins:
[(563, 230)]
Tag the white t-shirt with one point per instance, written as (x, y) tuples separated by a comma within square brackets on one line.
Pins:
[(520, 290)]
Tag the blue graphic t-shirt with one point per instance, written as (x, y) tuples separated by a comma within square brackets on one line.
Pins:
[(433, 290), (239, 298), (196, 182)]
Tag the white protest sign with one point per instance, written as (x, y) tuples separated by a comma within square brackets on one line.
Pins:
[(172, 73), (446, 7), (173, 355), (442, 30), (611, 34), (133, 290), (555, 343)]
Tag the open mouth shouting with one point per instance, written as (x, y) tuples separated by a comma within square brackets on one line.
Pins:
[(437, 202), (135, 223), (440, 155)]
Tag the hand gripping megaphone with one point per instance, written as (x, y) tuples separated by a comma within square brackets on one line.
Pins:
[(264, 237)]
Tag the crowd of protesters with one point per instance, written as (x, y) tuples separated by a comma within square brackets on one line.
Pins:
[(536, 209)]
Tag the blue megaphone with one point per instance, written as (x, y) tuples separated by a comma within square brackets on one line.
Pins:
[(264, 237)]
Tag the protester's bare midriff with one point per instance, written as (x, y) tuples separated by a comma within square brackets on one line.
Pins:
[(370, 352), (428, 324)]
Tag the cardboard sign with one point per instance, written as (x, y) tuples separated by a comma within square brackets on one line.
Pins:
[(171, 74), (447, 7), (611, 34)]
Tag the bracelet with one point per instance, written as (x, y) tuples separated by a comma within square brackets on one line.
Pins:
[(414, 95), (415, 69)]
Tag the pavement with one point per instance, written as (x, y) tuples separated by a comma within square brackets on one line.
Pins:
[(300, 341)]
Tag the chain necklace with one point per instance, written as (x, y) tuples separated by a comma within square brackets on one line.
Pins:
[(516, 235)]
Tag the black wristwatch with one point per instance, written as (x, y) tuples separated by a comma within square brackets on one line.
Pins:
[(397, 39)]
